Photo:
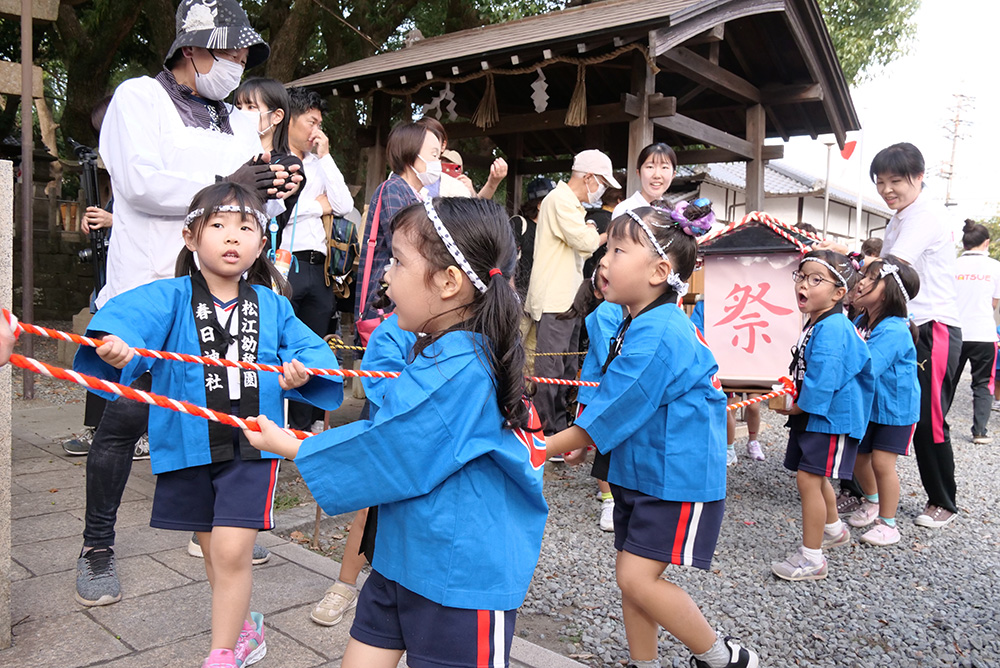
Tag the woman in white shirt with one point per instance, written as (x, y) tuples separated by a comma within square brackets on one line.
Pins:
[(978, 280), (655, 166)]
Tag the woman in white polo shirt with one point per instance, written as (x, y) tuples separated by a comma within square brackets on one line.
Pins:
[(978, 280), (919, 234), (655, 166)]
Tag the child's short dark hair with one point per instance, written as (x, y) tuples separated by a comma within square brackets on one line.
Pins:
[(208, 199), (681, 248), (903, 159), (896, 303), (481, 230), (872, 247), (845, 272), (974, 234)]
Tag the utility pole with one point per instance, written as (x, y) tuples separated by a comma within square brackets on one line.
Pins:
[(953, 130)]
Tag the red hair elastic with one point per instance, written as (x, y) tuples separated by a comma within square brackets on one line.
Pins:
[(494, 271)]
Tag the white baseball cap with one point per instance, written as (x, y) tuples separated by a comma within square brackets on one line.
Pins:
[(593, 161)]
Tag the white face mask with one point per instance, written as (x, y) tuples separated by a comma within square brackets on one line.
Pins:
[(432, 173), (220, 81), (595, 197)]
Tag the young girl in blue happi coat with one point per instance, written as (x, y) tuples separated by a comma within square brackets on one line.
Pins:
[(209, 479), (832, 371), (453, 458), (660, 413), (885, 289)]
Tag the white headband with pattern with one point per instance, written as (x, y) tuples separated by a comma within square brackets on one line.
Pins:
[(452, 247), (889, 268), (228, 208), (840, 279), (673, 278)]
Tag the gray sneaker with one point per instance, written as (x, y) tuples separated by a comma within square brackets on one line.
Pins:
[(141, 448), (96, 578), (797, 567), (79, 446), (261, 555)]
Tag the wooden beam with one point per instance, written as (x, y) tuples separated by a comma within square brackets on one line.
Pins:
[(709, 155), (533, 167), (691, 24), (706, 134), (376, 154), (774, 95), (713, 35), (705, 72), (600, 114), (756, 129), (657, 105), (640, 128)]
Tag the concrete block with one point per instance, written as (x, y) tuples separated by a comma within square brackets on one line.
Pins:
[(57, 641), (286, 586), (330, 641), (130, 514), (10, 73), (6, 484), (45, 464), (45, 527)]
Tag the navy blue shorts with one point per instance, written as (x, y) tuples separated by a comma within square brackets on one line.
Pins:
[(829, 455), (390, 616), (683, 533), (236, 493), (888, 438)]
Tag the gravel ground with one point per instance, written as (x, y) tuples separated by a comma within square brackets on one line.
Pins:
[(928, 601)]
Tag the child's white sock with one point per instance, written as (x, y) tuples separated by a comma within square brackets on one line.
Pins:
[(717, 655), (352, 587), (655, 663), (835, 529), (814, 556)]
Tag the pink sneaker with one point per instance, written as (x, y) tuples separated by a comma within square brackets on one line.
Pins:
[(881, 534), (250, 647), (864, 515), (220, 658)]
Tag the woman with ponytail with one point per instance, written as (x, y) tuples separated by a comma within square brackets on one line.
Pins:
[(453, 458)]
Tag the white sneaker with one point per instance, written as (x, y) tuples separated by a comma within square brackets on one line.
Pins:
[(730, 456), (141, 450), (755, 451), (864, 515), (608, 515), (316, 427)]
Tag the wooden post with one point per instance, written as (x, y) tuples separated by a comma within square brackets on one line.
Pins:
[(376, 154), (515, 180), (755, 166), (640, 129)]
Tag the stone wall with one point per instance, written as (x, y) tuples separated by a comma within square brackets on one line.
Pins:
[(62, 283)]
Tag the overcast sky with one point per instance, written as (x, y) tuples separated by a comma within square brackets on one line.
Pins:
[(956, 51)]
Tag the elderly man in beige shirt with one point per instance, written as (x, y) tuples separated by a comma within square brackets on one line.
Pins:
[(563, 240)]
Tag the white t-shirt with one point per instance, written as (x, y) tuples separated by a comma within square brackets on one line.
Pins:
[(978, 279), (322, 178), (636, 201), (919, 234)]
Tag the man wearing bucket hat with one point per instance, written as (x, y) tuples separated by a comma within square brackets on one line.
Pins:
[(163, 140), (563, 241)]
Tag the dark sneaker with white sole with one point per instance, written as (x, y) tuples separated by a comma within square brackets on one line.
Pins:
[(96, 578), (79, 446), (739, 656)]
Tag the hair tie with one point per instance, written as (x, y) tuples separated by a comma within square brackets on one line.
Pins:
[(887, 269), (695, 218), (228, 208), (452, 247), (857, 260), (494, 271)]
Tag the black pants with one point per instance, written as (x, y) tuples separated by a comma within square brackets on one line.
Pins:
[(312, 300), (109, 463), (555, 336), (939, 347), (983, 356)]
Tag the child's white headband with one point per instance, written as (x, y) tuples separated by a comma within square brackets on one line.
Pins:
[(228, 208), (452, 247), (673, 278)]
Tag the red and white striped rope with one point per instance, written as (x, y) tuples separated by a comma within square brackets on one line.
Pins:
[(788, 387), (150, 398)]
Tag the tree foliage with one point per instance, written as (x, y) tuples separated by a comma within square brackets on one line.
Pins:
[(869, 34)]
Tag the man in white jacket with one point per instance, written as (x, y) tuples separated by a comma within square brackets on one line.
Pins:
[(163, 140)]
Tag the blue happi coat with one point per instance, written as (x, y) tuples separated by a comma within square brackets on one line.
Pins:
[(461, 510), (159, 316)]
